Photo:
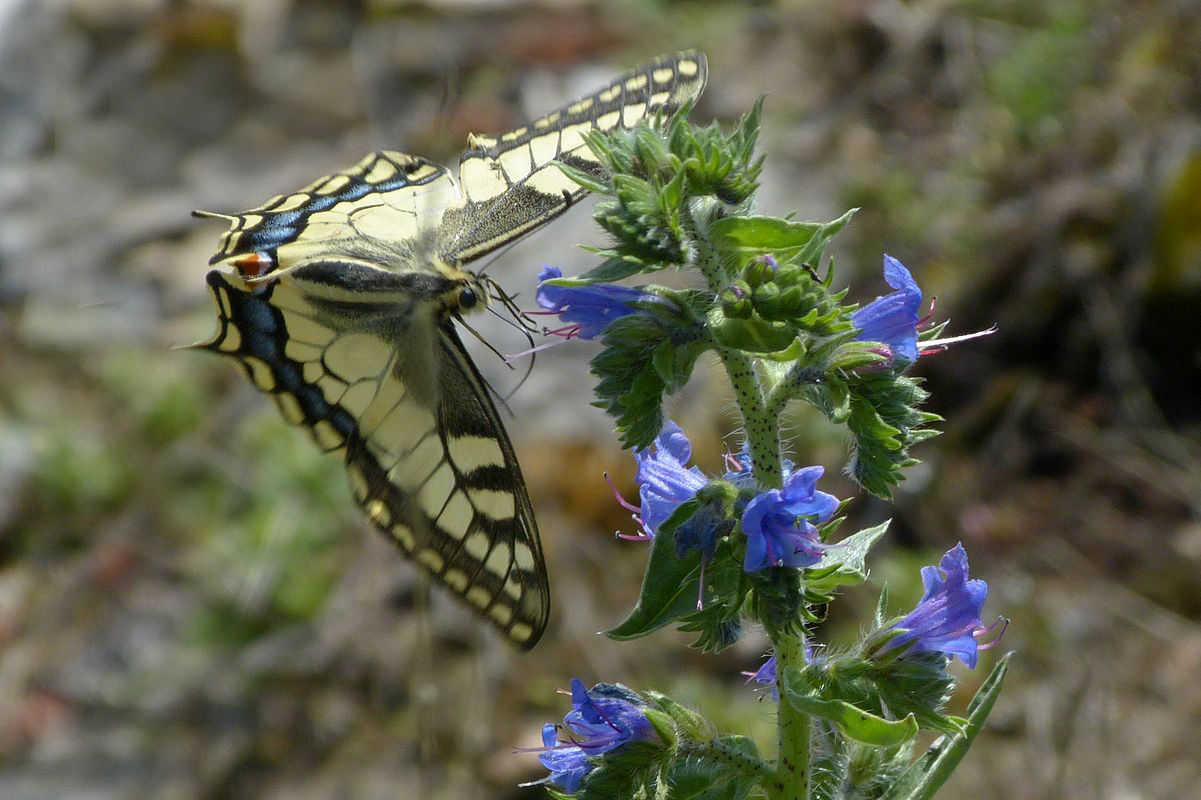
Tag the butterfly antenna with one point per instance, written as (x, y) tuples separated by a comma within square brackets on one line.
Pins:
[(529, 337), (529, 370), (504, 401), (520, 319), (485, 342), (516, 319)]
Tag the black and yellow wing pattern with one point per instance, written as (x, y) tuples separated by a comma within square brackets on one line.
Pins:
[(339, 301)]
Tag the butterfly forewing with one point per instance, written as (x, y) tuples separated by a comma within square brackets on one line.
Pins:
[(339, 299), (378, 209)]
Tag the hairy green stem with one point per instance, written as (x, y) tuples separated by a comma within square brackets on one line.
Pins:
[(762, 428), (790, 780)]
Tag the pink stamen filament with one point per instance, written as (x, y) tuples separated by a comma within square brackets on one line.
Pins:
[(626, 504), (635, 513), (924, 322), (567, 331), (634, 537), (1002, 623)]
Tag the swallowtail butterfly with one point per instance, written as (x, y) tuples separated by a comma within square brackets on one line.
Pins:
[(339, 301)]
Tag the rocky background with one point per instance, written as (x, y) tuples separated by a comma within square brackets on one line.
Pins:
[(190, 606)]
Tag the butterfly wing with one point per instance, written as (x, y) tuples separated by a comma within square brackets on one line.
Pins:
[(395, 394), (337, 300), (385, 210), (512, 184)]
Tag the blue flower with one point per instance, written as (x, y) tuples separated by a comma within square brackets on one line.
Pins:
[(947, 619), (893, 319), (568, 764), (779, 526), (588, 309), (766, 676), (664, 480), (601, 719)]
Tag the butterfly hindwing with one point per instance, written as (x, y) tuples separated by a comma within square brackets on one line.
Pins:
[(339, 301), (433, 470)]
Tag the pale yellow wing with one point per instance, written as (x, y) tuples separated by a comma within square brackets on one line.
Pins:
[(370, 375), (386, 209), (511, 184)]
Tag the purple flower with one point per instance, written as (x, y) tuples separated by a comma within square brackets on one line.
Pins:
[(893, 319), (601, 719), (947, 619), (766, 676), (568, 764), (779, 526), (588, 309), (664, 480)]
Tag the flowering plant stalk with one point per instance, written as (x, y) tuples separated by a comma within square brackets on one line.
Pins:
[(761, 543)]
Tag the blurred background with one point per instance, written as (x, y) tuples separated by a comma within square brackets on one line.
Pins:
[(190, 605)]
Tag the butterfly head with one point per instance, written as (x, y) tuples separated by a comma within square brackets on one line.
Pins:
[(467, 294)]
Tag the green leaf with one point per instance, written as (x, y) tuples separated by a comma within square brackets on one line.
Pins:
[(614, 268), (778, 600), (670, 585), (799, 241), (817, 244), (854, 722), (673, 362), (882, 607), (664, 724), (931, 771), (844, 563), (664, 335), (585, 179), (917, 684), (885, 421), (689, 780), (789, 354), (743, 746), (719, 623)]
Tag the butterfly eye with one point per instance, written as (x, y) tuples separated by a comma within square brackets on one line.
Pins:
[(468, 299)]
